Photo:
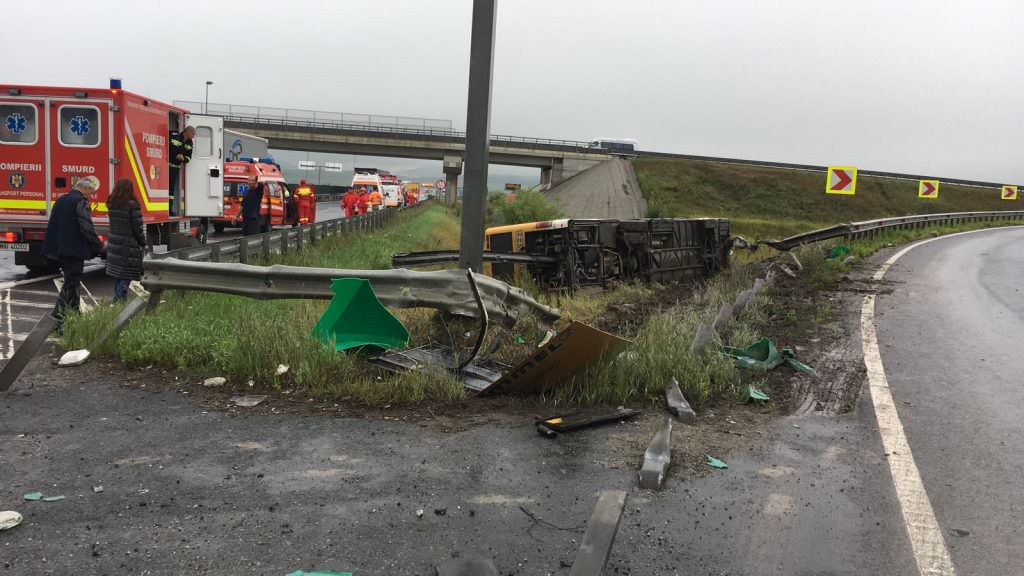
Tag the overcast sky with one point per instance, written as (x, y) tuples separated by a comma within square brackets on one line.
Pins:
[(933, 87)]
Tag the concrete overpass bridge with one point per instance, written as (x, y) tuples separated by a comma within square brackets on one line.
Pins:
[(398, 137)]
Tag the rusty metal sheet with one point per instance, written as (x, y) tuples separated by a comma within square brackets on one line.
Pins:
[(565, 354)]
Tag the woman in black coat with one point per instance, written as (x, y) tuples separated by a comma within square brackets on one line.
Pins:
[(127, 243)]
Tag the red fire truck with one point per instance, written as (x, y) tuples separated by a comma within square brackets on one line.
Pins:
[(281, 206), (51, 136)]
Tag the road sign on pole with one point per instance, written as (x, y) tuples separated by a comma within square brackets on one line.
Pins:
[(440, 184), (841, 180), (928, 189), (1009, 193)]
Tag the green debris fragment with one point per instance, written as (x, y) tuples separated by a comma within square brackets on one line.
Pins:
[(53, 499), (797, 426), (838, 251), (33, 496), (301, 573), (715, 462), (763, 355), (755, 395), (520, 340), (357, 319)]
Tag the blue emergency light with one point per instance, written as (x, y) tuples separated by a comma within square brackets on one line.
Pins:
[(115, 83)]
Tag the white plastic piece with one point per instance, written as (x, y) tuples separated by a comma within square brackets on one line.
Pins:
[(9, 519), (215, 381), (74, 358)]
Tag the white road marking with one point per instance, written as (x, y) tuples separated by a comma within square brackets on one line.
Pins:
[(930, 551), (32, 304), (9, 352)]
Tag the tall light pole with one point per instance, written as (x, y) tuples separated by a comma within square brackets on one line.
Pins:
[(206, 102), (478, 140)]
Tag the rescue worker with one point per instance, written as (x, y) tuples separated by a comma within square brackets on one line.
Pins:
[(181, 153), (375, 200), (71, 239), (362, 202), (252, 203), (350, 202)]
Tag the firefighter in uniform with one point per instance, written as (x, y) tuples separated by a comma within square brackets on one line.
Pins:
[(375, 200), (181, 153), (362, 200), (349, 202)]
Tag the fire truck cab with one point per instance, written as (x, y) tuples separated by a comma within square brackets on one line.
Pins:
[(52, 136)]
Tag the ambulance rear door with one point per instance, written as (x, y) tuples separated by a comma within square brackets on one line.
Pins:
[(81, 144), (204, 174)]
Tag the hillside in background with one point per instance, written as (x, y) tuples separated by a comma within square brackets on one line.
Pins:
[(773, 202)]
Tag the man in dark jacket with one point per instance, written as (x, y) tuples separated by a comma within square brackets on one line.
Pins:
[(251, 203), (181, 153), (71, 240)]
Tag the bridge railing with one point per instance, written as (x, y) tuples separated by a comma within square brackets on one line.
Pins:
[(297, 114), (365, 124)]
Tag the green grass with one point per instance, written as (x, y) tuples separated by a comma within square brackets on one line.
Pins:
[(771, 203), (207, 334)]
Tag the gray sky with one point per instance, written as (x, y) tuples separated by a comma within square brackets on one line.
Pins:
[(911, 86)]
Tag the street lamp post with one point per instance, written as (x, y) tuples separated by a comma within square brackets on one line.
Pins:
[(206, 101)]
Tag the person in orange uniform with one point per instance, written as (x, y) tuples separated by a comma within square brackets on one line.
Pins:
[(375, 200), (349, 202), (363, 201)]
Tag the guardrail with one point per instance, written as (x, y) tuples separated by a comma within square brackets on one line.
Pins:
[(871, 228), (249, 248)]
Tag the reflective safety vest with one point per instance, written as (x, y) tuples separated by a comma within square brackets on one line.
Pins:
[(179, 145)]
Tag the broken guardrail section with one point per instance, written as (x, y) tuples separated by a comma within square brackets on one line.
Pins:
[(448, 290), (600, 536), (657, 457)]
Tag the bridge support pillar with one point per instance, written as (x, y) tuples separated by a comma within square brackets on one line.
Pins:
[(545, 177), (452, 169)]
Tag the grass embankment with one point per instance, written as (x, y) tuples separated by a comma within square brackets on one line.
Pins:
[(773, 203), (207, 334)]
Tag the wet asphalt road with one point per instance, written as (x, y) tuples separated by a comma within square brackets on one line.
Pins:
[(191, 491), (950, 342)]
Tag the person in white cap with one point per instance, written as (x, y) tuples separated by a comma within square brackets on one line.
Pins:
[(71, 239)]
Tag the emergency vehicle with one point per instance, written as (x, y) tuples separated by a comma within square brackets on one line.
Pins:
[(391, 189), (281, 207), (52, 136), (368, 178)]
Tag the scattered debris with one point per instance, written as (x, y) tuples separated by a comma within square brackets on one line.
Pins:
[(26, 351), (467, 567), (9, 519), (724, 314), (215, 381), (600, 537), (849, 260), (755, 395), (838, 251), (53, 498), (33, 496), (796, 261), (475, 376), (555, 362), (538, 520), (73, 358), (419, 513), (520, 340), (742, 300), (355, 318), (715, 462), (960, 532), (550, 426), (97, 489), (248, 401), (657, 457), (701, 338), (440, 511), (281, 369), (763, 355), (797, 426), (677, 403)]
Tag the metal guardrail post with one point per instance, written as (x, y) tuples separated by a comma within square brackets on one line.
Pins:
[(265, 241), (215, 253), (298, 239), (243, 250), (312, 233)]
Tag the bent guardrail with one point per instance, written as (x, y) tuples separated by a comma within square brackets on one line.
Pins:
[(870, 228), (448, 290)]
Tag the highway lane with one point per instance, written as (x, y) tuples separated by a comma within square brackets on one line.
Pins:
[(949, 340), (25, 297)]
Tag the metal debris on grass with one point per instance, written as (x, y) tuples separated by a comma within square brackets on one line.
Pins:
[(248, 401), (550, 426), (715, 462)]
